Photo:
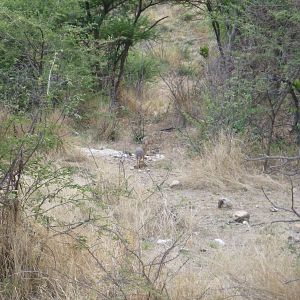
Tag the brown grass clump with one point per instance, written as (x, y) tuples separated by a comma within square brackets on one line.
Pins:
[(117, 255), (222, 163), (153, 100), (266, 270), (19, 261), (97, 120)]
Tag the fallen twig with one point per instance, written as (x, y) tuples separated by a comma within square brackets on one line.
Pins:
[(266, 157)]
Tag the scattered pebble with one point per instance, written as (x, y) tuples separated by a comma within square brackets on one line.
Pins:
[(246, 223), (273, 209), (163, 242), (104, 152), (184, 251), (159, 156), (293, 239), (175, 183), (240, 216), (224, 203), (220, 242)]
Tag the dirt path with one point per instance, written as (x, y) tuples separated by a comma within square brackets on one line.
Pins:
[(194, 210), (215, 250)]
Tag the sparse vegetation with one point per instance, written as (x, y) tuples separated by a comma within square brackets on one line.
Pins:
[(210, 90)]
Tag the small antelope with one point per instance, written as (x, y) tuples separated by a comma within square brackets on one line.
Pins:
[(140, 156), (141, 151)]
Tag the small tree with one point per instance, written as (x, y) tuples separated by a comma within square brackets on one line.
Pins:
[(111, 29), (254, 86)]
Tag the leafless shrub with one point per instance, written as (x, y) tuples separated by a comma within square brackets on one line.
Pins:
[(185, 98)]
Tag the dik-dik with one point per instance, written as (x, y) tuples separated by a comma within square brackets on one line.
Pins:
[(141, 151)]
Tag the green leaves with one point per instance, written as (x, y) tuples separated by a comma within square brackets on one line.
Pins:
[(204, 51), (124, 28), (296, 84)]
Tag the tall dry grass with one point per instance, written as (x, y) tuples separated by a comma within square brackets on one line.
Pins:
[(117, 257), (222, 163), (267, 269)]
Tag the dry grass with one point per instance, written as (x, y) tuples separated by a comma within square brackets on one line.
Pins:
[(66, 270), (152, 102), (103, 260), (109, 257), (222, 164), (265, 269)]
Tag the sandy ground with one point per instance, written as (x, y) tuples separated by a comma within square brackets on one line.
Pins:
[(193, 208)]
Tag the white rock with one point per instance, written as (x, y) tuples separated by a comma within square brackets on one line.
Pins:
[(163, 242), (131, 168), (224, 203), (273, 209), (103, 152), (220, 242), (240, 216), (159, 156), (175, 183), (246, 223)]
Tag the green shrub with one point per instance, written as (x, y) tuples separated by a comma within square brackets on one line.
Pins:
[(186, 70), (141, 67), (204, 51), (187, 17)]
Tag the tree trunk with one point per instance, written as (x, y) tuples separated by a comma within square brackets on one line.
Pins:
[(216, 28), (117, 78), (296, 125)]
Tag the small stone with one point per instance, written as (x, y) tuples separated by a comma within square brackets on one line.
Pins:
[(155, 151), (131, 168), (148, 170), (246, 223), (293, 239), (163, 242), (159, 156), (184, 251), (240, 216), (224, 203), (175, 183), (256, 206), (297, 227), (220, 242), (273, 209)]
